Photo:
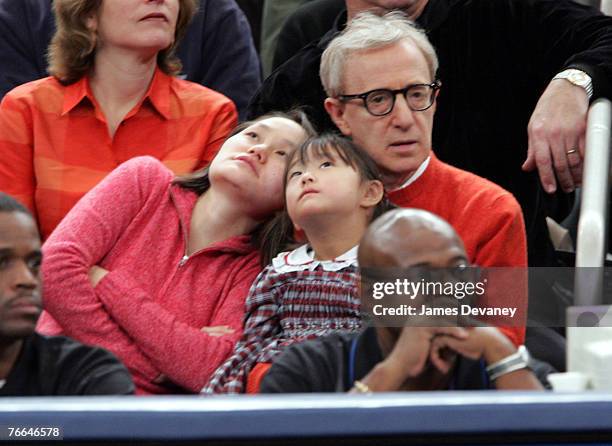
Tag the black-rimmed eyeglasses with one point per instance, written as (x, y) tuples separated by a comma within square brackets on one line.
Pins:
[(381, 101)]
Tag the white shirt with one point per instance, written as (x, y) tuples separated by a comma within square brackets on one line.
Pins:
[(302, 258), (415, 176)]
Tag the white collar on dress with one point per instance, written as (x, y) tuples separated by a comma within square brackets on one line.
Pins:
[(415, 176), (302, 258)]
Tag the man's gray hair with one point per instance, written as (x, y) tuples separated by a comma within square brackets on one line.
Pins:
[(367, 31)]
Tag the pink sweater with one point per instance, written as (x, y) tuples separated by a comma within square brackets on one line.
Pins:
[(150, 309)]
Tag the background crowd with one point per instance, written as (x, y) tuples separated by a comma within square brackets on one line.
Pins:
[(190, 189)]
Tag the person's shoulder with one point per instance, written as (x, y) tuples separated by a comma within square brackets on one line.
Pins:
[(475, 188), (58, 347), (47, 91), (315, 365), (148, 165), (144, 172), (61, 350), (268, 280), (82, 369)]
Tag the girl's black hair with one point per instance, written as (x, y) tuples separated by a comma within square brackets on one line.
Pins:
[(278, 235)]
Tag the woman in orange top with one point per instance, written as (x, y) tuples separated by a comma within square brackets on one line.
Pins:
[(113, 95)]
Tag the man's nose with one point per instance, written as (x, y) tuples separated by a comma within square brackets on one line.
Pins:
[(22, 276), (260, 151), (402, 114)]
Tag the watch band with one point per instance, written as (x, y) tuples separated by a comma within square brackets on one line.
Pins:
[(578, 78), (516, 361)]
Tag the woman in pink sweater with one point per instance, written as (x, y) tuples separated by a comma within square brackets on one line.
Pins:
[(156, 269)]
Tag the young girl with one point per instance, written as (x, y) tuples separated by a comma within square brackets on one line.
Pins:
[(332, 192), (156, 269)]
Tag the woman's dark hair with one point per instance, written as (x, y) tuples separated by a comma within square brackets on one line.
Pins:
[(278, 235), (9, 204), (199, 181)]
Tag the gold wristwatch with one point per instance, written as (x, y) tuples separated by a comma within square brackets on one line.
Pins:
[(578, 78)]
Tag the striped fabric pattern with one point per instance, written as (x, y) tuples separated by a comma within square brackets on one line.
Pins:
[(285, 308), (55, 145)]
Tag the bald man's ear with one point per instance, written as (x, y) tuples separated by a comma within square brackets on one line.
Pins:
[(335, 110), (373, 193)]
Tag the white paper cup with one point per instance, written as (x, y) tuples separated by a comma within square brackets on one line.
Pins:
[(568, 382)]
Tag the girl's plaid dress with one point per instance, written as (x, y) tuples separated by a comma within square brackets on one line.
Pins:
[(293, 299)]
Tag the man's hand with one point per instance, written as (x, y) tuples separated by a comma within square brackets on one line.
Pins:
[(96, 273), (482, 342), (218, 330), (557, 133), (409, 356)]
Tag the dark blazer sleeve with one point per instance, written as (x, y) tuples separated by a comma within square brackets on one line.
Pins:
[(26, 27), (564, 34)]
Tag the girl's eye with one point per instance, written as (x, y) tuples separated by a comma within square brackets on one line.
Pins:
[(295, 173), (326, 164)]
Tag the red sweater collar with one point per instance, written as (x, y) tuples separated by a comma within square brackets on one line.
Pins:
[(421, 184)]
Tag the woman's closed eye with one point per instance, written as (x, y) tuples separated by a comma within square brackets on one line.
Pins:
[(280, 152), (252, 134)]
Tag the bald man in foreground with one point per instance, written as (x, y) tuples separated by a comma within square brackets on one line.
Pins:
[(414, 357)]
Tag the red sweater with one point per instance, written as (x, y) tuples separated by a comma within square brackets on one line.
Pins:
[(150, 308), (488, 218)]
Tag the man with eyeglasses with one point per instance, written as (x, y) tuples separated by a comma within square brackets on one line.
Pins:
[(500, 115), (379, 75), (407, 354)]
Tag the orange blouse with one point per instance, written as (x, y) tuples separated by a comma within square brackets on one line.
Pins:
[(55, 145)]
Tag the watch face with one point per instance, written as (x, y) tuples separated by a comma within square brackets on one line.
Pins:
[(578, 78)]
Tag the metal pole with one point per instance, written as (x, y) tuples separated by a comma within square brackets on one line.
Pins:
[(592, 227)]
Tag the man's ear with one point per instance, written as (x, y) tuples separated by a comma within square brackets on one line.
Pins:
[(435, 101), (335, 110), (373, 193)]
